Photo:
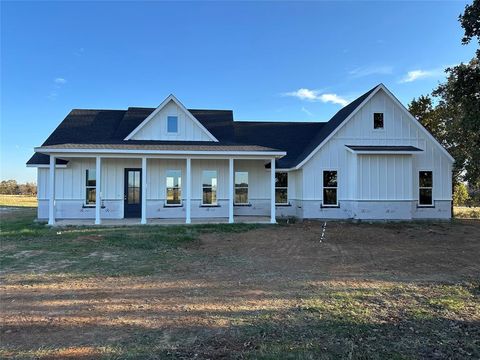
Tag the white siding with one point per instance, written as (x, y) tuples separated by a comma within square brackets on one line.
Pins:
[(156, 128), (361, 180)]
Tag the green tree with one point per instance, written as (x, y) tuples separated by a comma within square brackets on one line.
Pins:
[(455, 119), (460, 195)]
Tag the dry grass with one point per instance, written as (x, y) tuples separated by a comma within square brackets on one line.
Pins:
[(18, 200), (464, 212), (368, 291)]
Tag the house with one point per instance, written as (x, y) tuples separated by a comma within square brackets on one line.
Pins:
[(372, 160)]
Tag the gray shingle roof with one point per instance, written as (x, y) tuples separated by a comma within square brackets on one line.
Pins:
[(297, 139), (392, 148)]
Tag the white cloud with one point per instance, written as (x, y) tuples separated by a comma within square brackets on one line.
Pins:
[(371, 70), (333, 98), (316, 95), (421, 74), (306, 111), (60, 81)]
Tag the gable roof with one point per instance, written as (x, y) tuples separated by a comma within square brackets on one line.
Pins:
[(164, 103), (300, 140)]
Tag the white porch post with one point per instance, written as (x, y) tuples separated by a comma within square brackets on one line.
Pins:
[(230, 191), (98, 189), (51, 193), (144, 191), (188, 219), (272, 192)]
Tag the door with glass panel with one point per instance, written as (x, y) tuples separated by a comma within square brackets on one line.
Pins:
[(133, 193)]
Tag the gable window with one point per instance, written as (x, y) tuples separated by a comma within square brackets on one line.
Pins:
[(90, 187), (378, 120), (172, 124), (241, 187), (173, 187), (425, 188), (330, 188), (281, 188), (209, 187)]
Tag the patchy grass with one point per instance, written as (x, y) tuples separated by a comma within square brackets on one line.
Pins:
[(18, 200), (239, 291), (464, 212)]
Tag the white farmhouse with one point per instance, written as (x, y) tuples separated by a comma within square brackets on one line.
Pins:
[(372, 160)]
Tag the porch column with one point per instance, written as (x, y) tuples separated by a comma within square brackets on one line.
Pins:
[(188, 192), (51, 192), (230, 191), (98, 189), (144, 191), (272, 192)]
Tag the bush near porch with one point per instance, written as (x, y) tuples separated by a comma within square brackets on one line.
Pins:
[(394, 290)]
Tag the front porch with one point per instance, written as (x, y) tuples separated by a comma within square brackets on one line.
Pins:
[(152, 182), (133, 222)]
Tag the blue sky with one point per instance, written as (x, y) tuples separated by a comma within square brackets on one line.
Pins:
[(295, 61)]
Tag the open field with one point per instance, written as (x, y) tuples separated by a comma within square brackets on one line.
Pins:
[(398, 290), (18, 200)]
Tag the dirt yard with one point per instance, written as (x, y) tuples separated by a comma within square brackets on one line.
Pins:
[(385, 290)]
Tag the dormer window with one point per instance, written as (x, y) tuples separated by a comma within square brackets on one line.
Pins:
[(378, 120), (172, 124)]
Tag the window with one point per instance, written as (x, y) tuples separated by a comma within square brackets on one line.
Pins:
[(378, 120), (209, 187), (425, 186), (241, 187), (173, 187), (172, 124), (90, 187), (330, 188), (281, 188)]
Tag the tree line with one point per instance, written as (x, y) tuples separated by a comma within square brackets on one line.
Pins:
[(452, 111), (11, 187)]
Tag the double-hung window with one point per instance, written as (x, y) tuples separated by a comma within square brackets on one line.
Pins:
[(330, 188), (90, 187), (281, 188), (425, 188), (173, 187), (241, 187), (209, 187), (172, 124)]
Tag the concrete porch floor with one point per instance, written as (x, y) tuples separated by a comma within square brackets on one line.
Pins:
[(180, 221)]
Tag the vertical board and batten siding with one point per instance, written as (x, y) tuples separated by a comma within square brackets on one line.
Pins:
[(70, 187), (378, 177), (156, 128)]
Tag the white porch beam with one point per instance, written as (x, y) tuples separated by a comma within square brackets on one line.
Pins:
[(188, 219), (144, 191), (51, 192), (98, 189), (272, 192), (230, 190)]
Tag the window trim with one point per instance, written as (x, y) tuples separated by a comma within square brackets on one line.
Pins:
[(211, 187), (329, 187), (235, 187), (432, 204), (173, 187), (383, 121), (85, 203), (172, 132), (281, 187)]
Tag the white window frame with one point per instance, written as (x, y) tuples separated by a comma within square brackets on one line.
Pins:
[(329, 187), (235, 187), (173, 187), (172, 116), (373, 119), (424, 188), (281, 187), (92, 204), (210, 187)]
